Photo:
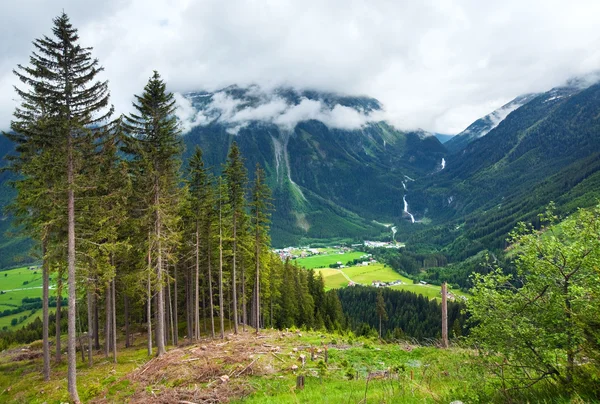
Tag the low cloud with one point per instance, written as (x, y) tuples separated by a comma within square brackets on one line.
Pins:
[(236, 114)]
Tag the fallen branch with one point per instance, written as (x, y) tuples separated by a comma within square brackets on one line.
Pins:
[(243, 370)]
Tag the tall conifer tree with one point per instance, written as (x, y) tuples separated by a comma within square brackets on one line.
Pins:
[(62, 78), (156, 146), (236, 177)]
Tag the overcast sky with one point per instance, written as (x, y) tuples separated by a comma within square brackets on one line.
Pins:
[(434, 64)]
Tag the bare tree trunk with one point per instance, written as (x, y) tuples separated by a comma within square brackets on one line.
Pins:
[(160, 302), (175, 309), (244, 313), (257, 246), (197, 287), (204, 307), (210, 290), (90, 317), (233, 275), (221, 308), (149, 301), (107, 321), (96, 317), (72, 331), (170, 311), (45, 311), (188, 305), (113, 328), (58, 353), (444, 315), (126, 310)]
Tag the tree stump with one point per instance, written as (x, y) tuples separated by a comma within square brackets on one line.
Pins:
[(300, 382)]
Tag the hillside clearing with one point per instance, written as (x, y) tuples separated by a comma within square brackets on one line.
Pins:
[(247, 368)]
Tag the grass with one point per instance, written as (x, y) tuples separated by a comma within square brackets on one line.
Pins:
[(333, 278), (323, 261), (13, 281), (264, 370), (415, 374), (14, 278), (365, 275)]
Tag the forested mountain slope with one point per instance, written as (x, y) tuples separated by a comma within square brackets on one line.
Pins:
[(546, 150), (327, 181)]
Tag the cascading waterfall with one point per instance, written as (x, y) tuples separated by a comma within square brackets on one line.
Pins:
[(443, 163), (412, 218)]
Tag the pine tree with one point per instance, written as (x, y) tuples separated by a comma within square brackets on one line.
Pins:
[(156, 146), (62, 83), (236, 178), (260, 217)]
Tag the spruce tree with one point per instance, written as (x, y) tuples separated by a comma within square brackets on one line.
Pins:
[(260, 217), (62, 81), (236, 177), (156, 146)]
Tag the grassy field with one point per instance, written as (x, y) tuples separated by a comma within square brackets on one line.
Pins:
[(357, 370), (18, 284), (333, 278), (323, 261), (365, 275)]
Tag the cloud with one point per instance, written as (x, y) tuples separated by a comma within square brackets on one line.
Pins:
[(272, 109), (435, 64)]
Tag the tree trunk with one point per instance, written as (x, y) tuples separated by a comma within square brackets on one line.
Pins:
[(96, 318), (569, 332), (90, 317), (72, 331), (188, 305), (58, 354), (233, 275), (149, 299), (160, 302), (244, 313), (196, 288), (444, 315), (257, 242), (45, 311), (175, 320), (221, 308), (210, 290), (113, 328), (170, 311), (107, 321), (126, 310)]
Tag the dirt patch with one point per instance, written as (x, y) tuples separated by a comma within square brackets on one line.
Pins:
[(208, 372), (25, 355)]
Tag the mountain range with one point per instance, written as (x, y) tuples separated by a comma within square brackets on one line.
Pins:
[(339, 171)]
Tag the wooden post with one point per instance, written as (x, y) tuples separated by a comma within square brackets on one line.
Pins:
[(312, 353), (444, 315), (300, 382), (326, 354)]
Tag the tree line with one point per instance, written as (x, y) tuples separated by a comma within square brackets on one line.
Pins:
[(131, 234)]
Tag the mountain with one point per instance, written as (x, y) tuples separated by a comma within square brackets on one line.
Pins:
[(13, 249), (334, 168), (483, 126), (545, 150)]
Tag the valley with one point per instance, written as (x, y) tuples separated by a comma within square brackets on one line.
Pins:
[(291, 238)]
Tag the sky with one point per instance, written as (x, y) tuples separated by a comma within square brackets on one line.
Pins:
[(433, 64)]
